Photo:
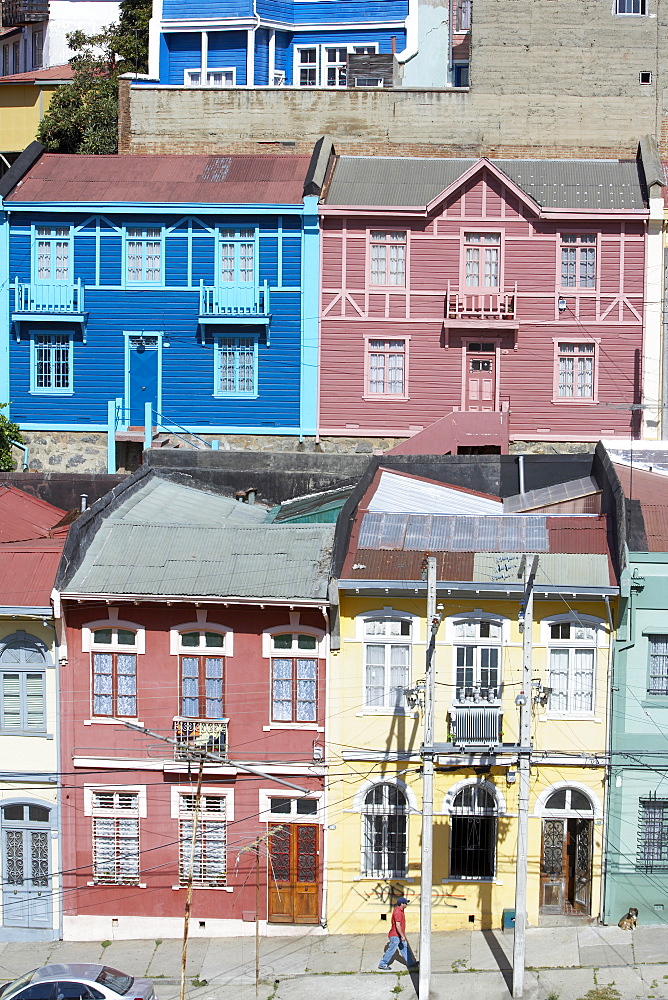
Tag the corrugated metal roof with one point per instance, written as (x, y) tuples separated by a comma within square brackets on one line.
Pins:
[(159, 501), (397, 494), (651, 490), (54, 74), (28, 572), (596, 185), (23, 516), (316, 508), (381, 564), (554, 569), (266, 561), (558, 493), (454, 532), (165, 178)]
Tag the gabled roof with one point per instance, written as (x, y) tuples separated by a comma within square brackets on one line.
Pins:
[(164, 179), (404, 182), (399, 492), (54, 74), (23, 516), (27, 573), (158, 539)]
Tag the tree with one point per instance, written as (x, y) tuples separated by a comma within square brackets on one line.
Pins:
[(83, 115), (9, 432)]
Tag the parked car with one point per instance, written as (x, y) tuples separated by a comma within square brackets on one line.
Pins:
[(77, 982)]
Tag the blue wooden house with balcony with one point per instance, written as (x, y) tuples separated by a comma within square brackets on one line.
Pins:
[(160, 293), (299, 43)]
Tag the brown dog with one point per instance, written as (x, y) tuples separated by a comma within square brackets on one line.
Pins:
[(629, 920)]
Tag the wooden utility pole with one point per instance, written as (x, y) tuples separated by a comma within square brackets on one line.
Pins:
[(189, 890), (523, 700), (426, 874)]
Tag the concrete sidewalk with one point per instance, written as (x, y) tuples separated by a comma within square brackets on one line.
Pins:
[(568, 963)]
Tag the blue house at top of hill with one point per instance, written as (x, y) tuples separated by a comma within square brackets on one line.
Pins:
[(298, 43), (171, 290)]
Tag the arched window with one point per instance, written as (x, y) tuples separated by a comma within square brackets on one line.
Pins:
[(568, 801), (473, 827), (22, 662), (384, 834)]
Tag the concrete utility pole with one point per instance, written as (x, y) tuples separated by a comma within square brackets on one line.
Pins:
[(523, 700), (426, 877)]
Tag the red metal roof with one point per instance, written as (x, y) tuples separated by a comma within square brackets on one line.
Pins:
[(270, 179), (23, 516), (651, 490), (54, 74), (28, 572)]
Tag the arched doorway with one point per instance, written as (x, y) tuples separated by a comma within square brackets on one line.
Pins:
[(566, 852)]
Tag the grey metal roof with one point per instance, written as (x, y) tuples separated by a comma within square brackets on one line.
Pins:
[(454, 532), (159, 501), (231, 560), (558, 493), (554, 568), (596, 185)]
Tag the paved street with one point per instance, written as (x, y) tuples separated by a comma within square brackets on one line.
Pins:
[(596, 963)]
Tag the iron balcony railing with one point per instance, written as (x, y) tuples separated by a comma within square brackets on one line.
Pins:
[(476, 724), (480, 305), (59, 298), (15, 12), (219, 301), (199, 736)]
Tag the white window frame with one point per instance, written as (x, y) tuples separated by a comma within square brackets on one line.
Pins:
[(387, 239), (53, 235), (117, 814), (143, 235), (237, 344), (113, 647), (298, 65), (387, 614), (630, 13), (265, 815), (322, 63), (560, 353), (387, 351), (52, 342), (206, 819), (476, 643), (175, 633), (573, 644), (188, 75)]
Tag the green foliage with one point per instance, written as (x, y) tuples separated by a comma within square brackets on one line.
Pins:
[(83, 115), (8, 432)]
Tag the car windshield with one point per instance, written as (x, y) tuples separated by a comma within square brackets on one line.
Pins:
[(18, 984), (115, 980)]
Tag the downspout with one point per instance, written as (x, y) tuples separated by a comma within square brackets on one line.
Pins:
[(608, 769), (24, 449), (411, 49)]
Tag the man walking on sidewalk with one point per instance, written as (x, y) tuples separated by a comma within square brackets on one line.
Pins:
[(397, 938)]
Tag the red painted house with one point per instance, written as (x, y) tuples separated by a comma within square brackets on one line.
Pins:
[(484, 286), (193, 630)]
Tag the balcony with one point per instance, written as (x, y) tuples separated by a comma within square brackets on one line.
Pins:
[(476, 723), (48, 301), (481, 308), (234, 303), (15, 12), (199, 736)]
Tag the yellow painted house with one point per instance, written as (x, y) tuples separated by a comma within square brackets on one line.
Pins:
[(24, 98), (376, 694)]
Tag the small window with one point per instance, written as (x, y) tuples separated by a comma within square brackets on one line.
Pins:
[(114, 636), (482, 259), (144, 255), (461, 74), (463, 18), (638, 7), (293, 640), (570, 800), (645, 76), (307, 67), (5, 60), (26, 814), (16, 57), (51, 363), (279, 78), (37, 45), (653, 834), (658, 665), (578, 260), (576, 370), (290, 806), (236, 366), (388, 258), (386, 366), (202, 640)]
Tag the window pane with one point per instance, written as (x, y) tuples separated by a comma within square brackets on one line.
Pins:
[(190, 638), (102, 636), (282, 690), (34, 684), (213, 640), (11, 701), (558, 700), (306, 642), (307, 807), (375, 675), (126, 637), (281, 805), (306, 690), (283, 641)]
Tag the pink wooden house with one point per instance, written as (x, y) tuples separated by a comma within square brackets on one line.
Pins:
[(508, 286)]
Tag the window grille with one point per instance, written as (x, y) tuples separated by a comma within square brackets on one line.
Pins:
[(385, 827), (116, 837), (658, 664), (473, 827), (653, 834), (209, 862)]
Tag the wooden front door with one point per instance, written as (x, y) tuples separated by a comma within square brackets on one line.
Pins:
[(480, 377), (293, 873), (565, 870)]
